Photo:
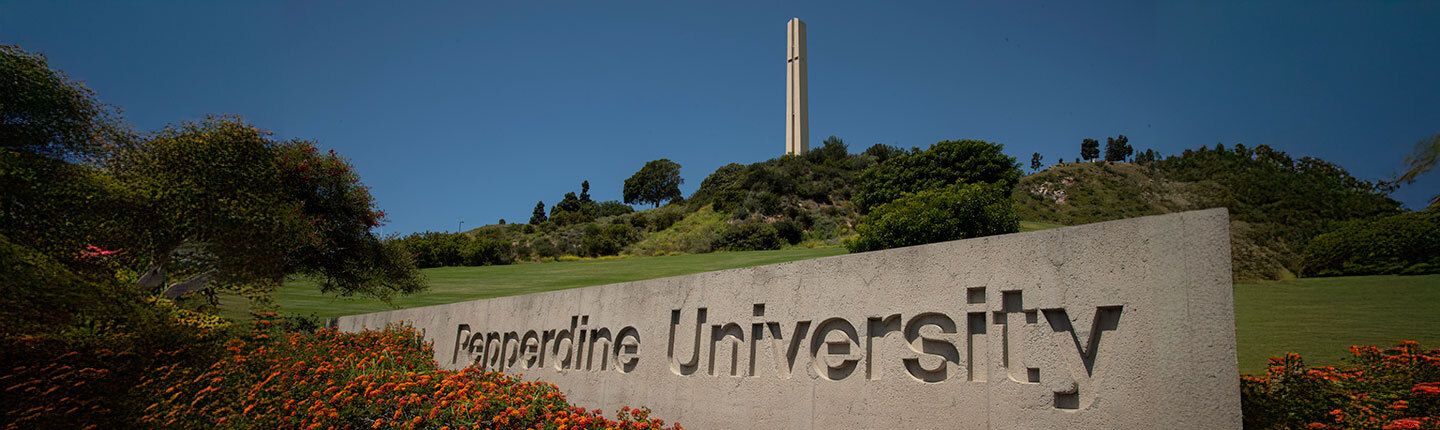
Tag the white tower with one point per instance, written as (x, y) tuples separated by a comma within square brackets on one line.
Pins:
[(797, 91)]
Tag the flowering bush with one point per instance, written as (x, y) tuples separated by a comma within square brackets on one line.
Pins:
[(374, 379), (1396, 388)]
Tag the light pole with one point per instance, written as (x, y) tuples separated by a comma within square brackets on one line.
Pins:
[(461, 229)]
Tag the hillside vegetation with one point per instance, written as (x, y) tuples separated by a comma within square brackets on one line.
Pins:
[(790, 201), (1276, 204), (895, 197)]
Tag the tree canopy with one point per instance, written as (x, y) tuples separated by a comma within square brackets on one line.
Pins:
[(1427, 152), (657, 182), (1089, 149), (224, 204), (1118, 148), (538, 215), (43, 112)]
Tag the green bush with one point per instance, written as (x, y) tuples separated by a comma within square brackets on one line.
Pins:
[(609, 240), (693, 233), (433, 249), (789, 230), (665, 219), (955, 212), (750, 236), (945, 163), (612, 208), (1398, 244)]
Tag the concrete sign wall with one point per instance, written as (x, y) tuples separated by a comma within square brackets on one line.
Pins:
[(1124, 324)]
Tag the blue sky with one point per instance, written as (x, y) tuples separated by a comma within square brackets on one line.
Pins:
[(474, 111)]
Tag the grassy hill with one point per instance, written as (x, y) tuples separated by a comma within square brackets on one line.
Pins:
[(1276, 205)]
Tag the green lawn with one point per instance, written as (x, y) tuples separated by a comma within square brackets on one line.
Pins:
[(458, 284), (1037, 225), (1316, 317), (1319, 318)]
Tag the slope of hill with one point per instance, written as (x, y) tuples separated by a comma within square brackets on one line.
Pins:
[(1276, 204)]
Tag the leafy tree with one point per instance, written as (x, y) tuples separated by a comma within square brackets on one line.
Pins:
[(538, 216), (1404, 244), (749, 236), (568, 204), (883, 152), (1089, 149), (657, 182), (585, 192), (435, 249), (55, 196), (943, 164), (1035, 161), (1149, 156), (953, 212), (833, 149), (224, 205), (44, 113), (1118, 148), (1421, 162), (611, 208)]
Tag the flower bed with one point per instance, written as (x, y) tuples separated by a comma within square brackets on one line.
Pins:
[(1396, 388), (373, 379)]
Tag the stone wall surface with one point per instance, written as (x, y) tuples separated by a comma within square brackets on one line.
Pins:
[(1122, 324)]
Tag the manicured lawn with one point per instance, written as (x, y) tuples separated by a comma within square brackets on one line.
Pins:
[(1319, 318), (457, 284), (1037, 225)]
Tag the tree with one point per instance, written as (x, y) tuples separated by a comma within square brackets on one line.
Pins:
[(657, 182), (1035, 161), (1118, 148), (538, 216), (44, 113), (223, 205), (1427, 152), (55, 196), (1089, 149), (569, 203), (833, 149), (883, 152), (957, 211), (585, 192), (943, 164)]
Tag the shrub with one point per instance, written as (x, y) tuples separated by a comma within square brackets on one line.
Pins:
[(665, 219), (373, 379), (750, 236), (608, 240), (789, 230), (955, 212), (433, 249), (639, 220), (693, 233), (1399, 244), (612, 208), (945, 163), (1396, 388)]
